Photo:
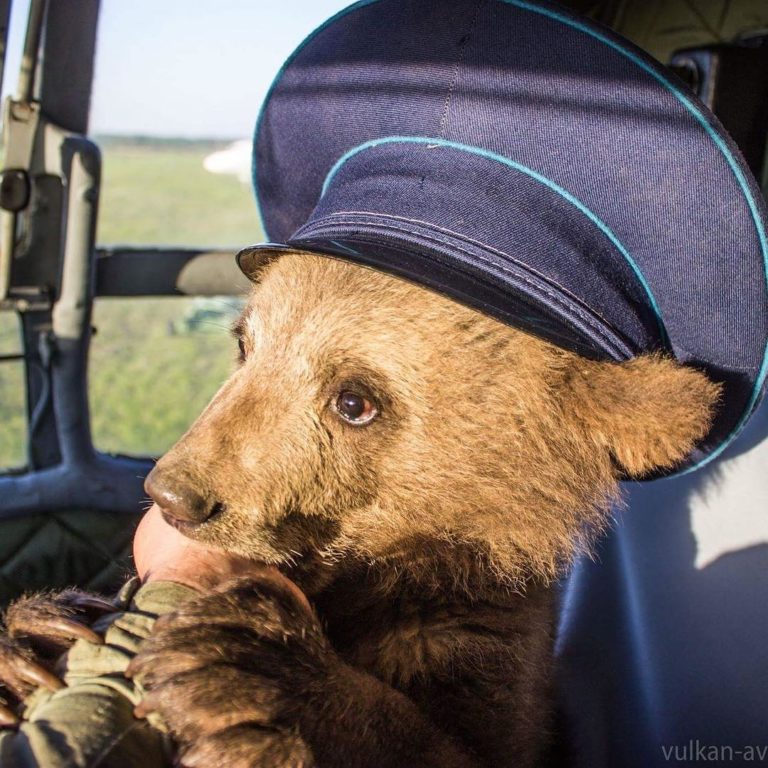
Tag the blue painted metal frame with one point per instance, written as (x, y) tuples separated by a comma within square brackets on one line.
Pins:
[(82, 477)]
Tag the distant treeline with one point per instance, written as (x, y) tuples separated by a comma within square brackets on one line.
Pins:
[(161, 142)]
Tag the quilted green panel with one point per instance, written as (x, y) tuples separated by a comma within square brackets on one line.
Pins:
[(84, 548)]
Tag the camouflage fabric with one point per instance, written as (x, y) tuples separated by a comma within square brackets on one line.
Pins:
[(90, 723), (85, 548)]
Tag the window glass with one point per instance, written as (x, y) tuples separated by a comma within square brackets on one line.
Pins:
[(158, 192), (13, 424), (10, 333), (154, 365), (177, 90)]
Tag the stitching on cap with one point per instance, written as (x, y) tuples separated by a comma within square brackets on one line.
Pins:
[(525, 270), (556, 298), (463, 45), (401, 249), (541, 289), (459, 236)]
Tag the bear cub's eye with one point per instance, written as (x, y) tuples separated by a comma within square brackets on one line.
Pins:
[(355, 408)]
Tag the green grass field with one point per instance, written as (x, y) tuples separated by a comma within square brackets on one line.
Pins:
[(12, 423), (160, 194), (146, 384)]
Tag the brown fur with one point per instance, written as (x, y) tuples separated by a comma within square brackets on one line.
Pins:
[(488, 438), (426, 539)]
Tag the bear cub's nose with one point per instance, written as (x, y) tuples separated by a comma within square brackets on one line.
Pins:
[(178, 499)]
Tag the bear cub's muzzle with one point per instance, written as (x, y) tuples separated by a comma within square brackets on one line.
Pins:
[(182, 505)]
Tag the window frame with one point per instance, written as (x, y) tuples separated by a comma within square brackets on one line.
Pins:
[(64, 469)]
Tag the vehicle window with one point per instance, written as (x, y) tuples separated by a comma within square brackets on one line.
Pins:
[(154, 365), (174, 105), (173, 115), (13, 423), (158, 192)]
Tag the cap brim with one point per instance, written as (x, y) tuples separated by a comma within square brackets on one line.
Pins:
[(254, 258), (523, 303)]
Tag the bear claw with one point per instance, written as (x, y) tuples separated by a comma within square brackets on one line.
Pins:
[(7, 718)]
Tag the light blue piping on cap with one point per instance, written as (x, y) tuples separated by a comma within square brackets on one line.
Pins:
[(306, 41), (547, 182), (730, 159)]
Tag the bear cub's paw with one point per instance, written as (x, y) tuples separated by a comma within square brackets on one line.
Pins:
[(234, 672), (35, 631)]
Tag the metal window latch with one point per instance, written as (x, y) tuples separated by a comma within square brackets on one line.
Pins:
[(14, 190)]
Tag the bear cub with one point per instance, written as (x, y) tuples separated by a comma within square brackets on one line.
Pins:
[(423, 473)]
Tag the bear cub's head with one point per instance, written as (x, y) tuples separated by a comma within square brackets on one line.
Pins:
[(372, 421)]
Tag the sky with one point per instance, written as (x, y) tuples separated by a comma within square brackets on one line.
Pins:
[(186, 68)]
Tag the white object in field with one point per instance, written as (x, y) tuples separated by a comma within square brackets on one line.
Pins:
[(234, 160)]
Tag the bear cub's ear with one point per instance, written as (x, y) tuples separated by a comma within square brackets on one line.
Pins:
[(648, 412)]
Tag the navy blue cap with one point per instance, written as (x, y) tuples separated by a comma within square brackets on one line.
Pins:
[(533, 165)]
